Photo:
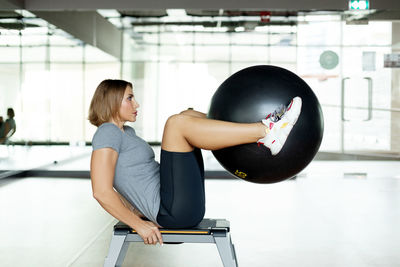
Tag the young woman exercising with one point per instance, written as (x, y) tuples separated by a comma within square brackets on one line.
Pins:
[(134, 188)]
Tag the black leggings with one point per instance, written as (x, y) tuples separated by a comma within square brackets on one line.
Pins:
[(181, 189)]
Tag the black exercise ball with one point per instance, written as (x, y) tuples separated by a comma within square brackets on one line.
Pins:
[(249, 96)]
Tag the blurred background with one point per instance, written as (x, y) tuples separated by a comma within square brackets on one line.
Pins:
[(342, 210), (177, 58)]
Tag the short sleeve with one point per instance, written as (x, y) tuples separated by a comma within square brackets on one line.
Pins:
[(130, 130), (107, 135)]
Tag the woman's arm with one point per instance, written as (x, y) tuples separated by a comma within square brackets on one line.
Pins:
[(129, 206), (6, 129), (102, 169), (8, 132)]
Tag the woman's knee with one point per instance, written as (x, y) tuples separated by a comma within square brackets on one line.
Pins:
[(193, 113), (187, 112), (174, 138), (175, 120)]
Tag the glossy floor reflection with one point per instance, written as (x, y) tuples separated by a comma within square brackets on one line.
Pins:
[(333, 214)]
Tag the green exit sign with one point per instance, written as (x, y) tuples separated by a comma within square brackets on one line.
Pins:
[(359, 4)]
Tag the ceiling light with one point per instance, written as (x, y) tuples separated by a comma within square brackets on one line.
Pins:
[(109, 13), (239, 29), (176, 13)]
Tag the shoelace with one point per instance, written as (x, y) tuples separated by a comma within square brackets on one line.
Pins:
[(275, 116), (278, 113)]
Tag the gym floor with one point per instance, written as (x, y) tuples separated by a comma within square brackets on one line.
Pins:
[(335, 213)]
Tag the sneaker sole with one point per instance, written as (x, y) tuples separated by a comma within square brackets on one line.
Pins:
[(294, 110)]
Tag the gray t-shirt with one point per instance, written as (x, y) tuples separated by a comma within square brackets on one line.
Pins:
[(137, 174)]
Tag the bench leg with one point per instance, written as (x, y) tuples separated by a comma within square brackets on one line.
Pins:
[(226, 250), (117, 251), (122, 254)]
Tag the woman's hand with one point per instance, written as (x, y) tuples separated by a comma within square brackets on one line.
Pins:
[(149, 232)]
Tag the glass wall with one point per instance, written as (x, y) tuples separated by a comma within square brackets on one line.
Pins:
[(49, 77), (356, 93), (174, 68)]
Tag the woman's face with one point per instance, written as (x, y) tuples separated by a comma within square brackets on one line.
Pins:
[(129, 106)]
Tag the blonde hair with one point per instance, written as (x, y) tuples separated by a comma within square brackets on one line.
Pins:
[(106, 101)]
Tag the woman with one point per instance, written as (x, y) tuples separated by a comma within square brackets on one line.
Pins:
[(169, 194), (8, 128)]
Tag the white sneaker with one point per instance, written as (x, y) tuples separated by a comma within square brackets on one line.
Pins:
[(279, 125)]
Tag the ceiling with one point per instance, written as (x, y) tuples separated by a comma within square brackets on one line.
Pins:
[(207, 18)]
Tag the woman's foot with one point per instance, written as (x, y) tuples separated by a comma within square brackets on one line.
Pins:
[(279, 125)]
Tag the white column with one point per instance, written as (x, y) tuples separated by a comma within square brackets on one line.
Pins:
[(395, 118)]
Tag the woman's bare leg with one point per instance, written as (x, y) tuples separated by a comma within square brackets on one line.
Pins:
[(184, 132)]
